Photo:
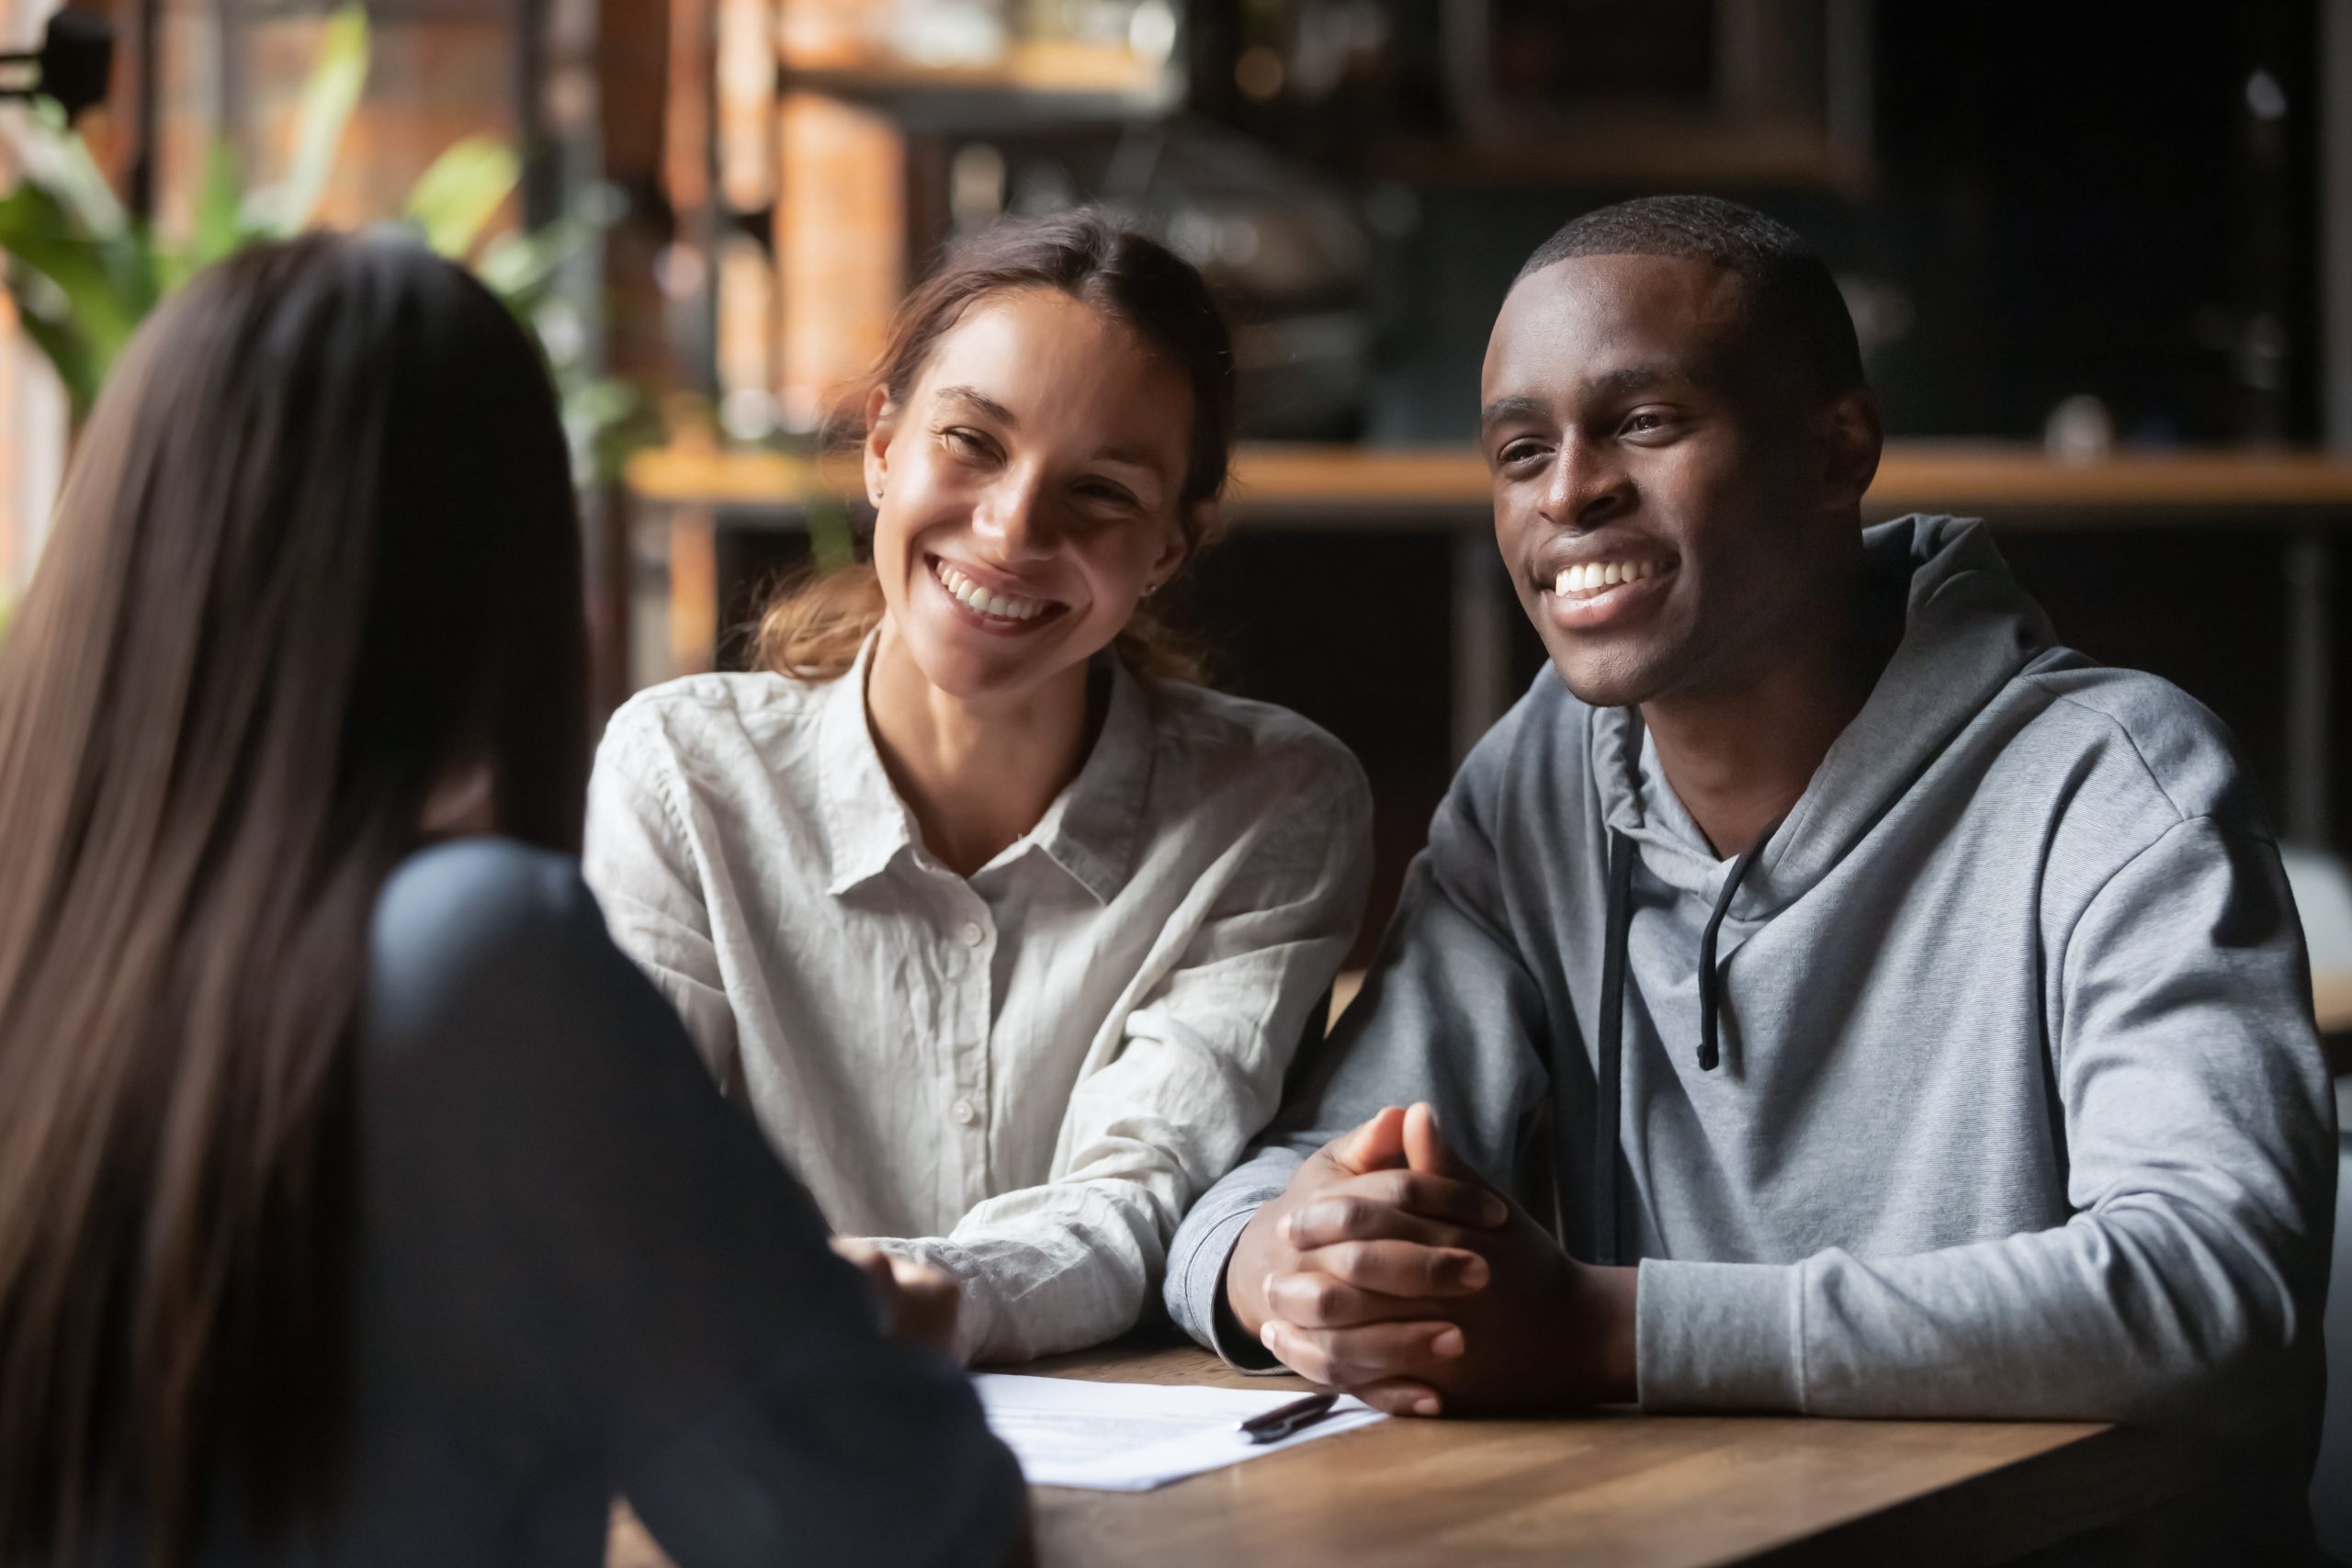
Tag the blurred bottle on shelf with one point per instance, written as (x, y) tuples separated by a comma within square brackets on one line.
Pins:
[(747, 51), (840, 243), (970, 34)]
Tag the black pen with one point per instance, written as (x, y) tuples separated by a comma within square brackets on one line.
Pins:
[(1285, 1419)]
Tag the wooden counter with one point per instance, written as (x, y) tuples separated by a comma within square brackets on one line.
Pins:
[(1371, 484), (1617, 1488)]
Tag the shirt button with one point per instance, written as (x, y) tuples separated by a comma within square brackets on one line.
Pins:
[(966, 1113), (973, 935)]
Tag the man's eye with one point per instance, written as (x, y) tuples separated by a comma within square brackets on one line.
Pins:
[(1520, 452), (1643, 424)]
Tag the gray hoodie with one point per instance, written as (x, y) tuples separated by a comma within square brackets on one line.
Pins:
[(2015, 1108)]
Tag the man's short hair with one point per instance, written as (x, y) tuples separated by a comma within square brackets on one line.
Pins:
[(1789, 289)]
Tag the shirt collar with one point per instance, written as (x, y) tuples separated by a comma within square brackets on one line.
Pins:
[(1089, 830), (865, 822)]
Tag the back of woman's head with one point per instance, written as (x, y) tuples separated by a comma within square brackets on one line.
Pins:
[(814, 629), (316, 557)]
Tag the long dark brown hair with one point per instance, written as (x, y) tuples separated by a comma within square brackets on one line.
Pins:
[(814, 628), (317, 554)]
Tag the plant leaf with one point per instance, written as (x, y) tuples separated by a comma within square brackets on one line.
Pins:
[(67, 351), (219, 228), (328, 99), (100, 303), (519, 268), (462, 192), (54, 157)]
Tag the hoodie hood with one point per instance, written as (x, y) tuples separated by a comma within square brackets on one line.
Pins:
[(1968, 629)]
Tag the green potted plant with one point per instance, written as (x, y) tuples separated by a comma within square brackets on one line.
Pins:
[(83, 273)]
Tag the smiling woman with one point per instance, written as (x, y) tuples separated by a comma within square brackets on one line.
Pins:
[(1077, 271), (1005, 927)]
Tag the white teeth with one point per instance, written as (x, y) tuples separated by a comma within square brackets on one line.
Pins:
[(1592, 577), (1006, 606)]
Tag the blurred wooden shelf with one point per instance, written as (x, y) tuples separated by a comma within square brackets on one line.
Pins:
[(1034, 81), (682, 497), (1342, 485)]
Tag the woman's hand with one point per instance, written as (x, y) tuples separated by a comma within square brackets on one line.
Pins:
[(918, 1301)]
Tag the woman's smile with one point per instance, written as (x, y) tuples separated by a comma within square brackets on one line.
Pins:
[(991, 604)]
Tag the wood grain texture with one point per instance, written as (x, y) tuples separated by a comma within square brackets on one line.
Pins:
[(1617, 1488)]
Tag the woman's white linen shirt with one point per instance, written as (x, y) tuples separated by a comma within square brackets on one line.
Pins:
[(1026, 1077)]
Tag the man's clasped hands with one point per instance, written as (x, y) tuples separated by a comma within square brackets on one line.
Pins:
[(1388, 1268)]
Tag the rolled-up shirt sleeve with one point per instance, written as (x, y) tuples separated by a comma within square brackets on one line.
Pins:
[(1195, 1071)]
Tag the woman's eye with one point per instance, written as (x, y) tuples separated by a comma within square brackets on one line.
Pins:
[(965, 443), (1108, 494)]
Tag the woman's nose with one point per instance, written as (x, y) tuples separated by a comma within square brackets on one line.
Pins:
[(1010, 519)]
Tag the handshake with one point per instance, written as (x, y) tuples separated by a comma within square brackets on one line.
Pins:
[(1390, 1271)]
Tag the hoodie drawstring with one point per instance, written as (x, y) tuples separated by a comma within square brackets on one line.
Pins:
[(1608, 1108), (1709, 987), (1607, 1086)]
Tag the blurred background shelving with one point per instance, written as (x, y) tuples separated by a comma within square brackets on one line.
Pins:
[(2085, 243)]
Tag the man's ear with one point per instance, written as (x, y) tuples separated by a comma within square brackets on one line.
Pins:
[(881, 425), (1852, 437)]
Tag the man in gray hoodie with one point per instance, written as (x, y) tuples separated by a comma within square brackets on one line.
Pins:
[(1868, 1006)]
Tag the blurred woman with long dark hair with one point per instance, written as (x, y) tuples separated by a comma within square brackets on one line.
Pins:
[(358, 1200)]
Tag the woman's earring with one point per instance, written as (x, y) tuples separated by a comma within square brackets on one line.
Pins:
[(1150, 589)]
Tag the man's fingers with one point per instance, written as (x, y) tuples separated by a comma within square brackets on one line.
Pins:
[(1378, 1144), (1346, 1216), (1395, 1269), (1320, 1298), (1371, 1353), (1450, 1199), (1425, 1149), (1389, 1206), (1400, 1396)]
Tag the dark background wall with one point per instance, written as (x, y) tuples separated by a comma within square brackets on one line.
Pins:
[(2063, 199)]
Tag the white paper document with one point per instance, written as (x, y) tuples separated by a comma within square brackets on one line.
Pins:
[(1131, 1437)]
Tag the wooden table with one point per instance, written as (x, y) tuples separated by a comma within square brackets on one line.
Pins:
[(1620, 1488)]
